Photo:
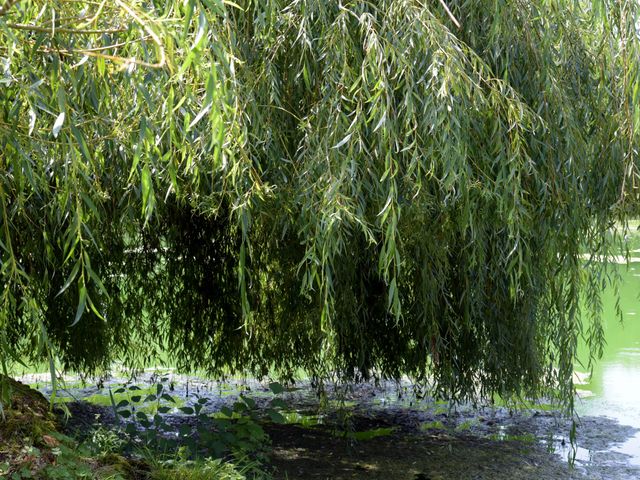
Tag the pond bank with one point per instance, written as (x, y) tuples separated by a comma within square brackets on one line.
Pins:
[(386, 432)]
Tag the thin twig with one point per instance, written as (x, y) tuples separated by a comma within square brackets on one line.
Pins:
[(79, 31), (451, 16), (95, 16), (97, 54), (4, 9), (109, 47), (152, 34)]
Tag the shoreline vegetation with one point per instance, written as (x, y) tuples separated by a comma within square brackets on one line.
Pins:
[(368, 432)]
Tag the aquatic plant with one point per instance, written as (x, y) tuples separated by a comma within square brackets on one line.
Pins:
[(159, 423)]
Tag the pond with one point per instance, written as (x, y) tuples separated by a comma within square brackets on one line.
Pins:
[(613, 390)]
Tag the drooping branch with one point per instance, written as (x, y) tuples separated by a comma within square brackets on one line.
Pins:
[(8, 4)]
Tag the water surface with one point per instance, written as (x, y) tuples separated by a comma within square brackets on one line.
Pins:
[(613, 390)]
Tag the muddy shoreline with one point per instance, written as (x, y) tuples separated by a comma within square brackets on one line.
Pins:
[(412, 438)]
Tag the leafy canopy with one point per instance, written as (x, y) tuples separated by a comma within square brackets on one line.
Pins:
[(379, 187)]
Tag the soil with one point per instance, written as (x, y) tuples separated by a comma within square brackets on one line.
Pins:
[(299, 454), (436, 454)]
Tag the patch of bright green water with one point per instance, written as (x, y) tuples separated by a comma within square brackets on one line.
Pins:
[(613, 389), (341, 404), (466, 425), (614, 386), (523, 404)]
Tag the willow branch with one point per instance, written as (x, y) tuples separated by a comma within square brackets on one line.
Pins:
[(113, 58), (163, 59), (451, 16), (79, 31), (4, 9)]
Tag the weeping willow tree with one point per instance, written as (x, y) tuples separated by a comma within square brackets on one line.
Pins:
[(369, 188)]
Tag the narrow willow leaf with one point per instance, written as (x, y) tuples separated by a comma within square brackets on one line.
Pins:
[(32, 120), (392, 293), (381, 122), (89, 202), (202, 30), (84, 148), (147, 192), (98, 282), (232, 4), (94, 309), (57, 126), (343, 141), (71, 278), (200, 115), (82, 300)]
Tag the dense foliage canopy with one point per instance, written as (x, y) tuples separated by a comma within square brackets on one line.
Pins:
[(380, 187)]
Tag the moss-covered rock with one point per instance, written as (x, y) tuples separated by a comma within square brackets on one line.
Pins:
[(27, 415), (32, 447)]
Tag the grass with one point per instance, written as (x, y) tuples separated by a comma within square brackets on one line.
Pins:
[(204, 470), (437, 425)]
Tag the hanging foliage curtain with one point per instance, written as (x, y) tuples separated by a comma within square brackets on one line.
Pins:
[(369, 188)]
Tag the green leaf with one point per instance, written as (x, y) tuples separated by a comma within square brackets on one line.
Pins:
[(279, 403), (57, 125), (276, 417), (147, 193), (276, 388), (250, 402), (82, 300), (343, 141), (84, 149), (71, 277), (113, 406)]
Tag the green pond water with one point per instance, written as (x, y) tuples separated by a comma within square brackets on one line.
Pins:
[(613, 390)]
